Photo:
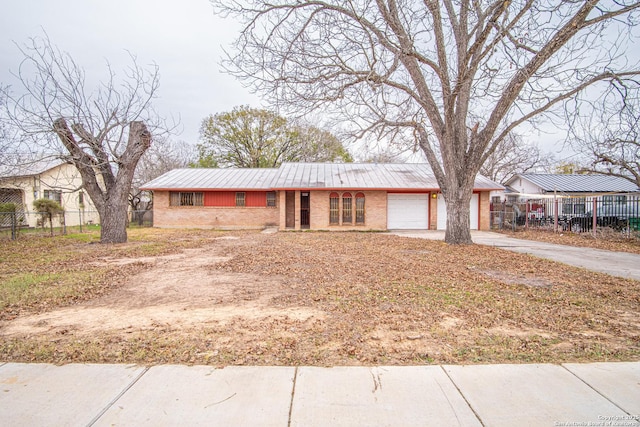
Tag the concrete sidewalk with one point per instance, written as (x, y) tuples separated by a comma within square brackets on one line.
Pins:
[(597, 394), (621, 264)]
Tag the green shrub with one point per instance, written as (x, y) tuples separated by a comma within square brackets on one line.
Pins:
[(47, 209), (8, 207)]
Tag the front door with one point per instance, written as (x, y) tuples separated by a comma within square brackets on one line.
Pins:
[(305, 207), (290, 209)]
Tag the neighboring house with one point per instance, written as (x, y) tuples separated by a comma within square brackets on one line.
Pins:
[(317, 196), (575, 193), (49, 180)]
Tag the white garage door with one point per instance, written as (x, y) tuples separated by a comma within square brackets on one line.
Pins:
[(474, 206), (408, 211)]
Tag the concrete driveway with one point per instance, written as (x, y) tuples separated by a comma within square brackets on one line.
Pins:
[(621, 264)]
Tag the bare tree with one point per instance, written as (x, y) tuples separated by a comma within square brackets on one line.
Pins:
[(456, 76), (609, 136), (6, 158), (514, 156), (103, 132), (164, 155)]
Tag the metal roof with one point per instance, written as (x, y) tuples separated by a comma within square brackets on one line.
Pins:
[(388, 176), (380, 176), (35, 167), (354, 175), (579, 183), (214, 179)]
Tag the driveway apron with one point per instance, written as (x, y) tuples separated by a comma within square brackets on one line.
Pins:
[(620, 264)]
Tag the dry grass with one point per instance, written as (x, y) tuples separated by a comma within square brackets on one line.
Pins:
[(38, 273), (376, 299)]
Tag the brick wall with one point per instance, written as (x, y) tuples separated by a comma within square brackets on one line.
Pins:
[(233, 217), (166, 216), (433, 211), (375, 208), (485, 214)]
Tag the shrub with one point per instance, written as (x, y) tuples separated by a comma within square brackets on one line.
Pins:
[(47, 209)]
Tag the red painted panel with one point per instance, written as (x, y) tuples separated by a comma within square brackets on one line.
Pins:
[(256, 199), (220, 198), (252, 199)]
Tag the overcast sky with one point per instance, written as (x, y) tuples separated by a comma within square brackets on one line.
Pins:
[(183, 38)]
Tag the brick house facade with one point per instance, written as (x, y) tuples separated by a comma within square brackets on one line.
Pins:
[(307, 196)]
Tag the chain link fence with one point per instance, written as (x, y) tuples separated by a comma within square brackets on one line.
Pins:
[(617, 212), (14, 224)]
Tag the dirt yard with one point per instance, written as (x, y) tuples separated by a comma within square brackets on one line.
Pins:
[(329, 299)]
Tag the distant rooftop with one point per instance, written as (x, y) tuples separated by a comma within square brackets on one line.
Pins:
[(29, 169), (579, 183), (382, 176)]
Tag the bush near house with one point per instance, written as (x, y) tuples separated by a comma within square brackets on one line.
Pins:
[(48, 209)]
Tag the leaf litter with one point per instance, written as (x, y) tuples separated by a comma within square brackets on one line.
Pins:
[(344, 298)]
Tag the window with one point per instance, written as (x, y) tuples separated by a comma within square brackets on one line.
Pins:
[(347, 208), (579, 205), (347, 216), (53, 195), (334, 208), (240, 199), (185, 198), (610, 200), (271, 199), (360, 208), (573, 207)]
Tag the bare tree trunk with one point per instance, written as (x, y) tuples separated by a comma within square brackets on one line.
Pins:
[(458, 216), (113, 221), (110, 194)]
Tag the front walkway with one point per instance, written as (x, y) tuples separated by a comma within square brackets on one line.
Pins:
[(621, 264), (595, 394)]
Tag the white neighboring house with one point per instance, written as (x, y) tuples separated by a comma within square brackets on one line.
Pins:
[(575, 191), (53, 180)]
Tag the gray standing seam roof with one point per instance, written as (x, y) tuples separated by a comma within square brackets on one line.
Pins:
[(212, 179), (382, 176), (355, 176), (580, 183)]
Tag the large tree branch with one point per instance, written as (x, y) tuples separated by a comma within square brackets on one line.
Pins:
[(81, 160), (563, 97), (560, 38)]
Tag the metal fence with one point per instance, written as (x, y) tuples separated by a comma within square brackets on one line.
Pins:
[(13, 224), (619, 212)]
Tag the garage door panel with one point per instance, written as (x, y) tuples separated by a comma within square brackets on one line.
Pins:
[(408, 211)]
